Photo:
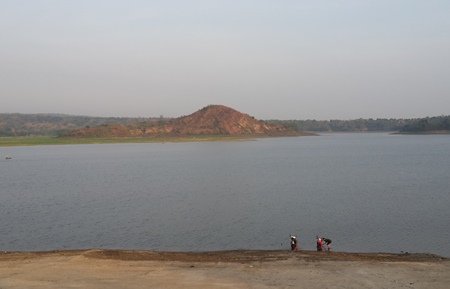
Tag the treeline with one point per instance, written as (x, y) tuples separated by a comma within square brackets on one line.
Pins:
[(356, 125), (428, 124), (16, 124)]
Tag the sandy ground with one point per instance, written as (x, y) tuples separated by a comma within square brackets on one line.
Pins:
[(231, 269)]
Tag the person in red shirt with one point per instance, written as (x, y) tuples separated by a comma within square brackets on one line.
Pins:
[(319, 243)]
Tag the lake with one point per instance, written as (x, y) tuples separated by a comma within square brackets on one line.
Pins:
[(368, 192)]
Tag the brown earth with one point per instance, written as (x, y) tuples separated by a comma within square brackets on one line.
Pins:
[(210, 120), (219, 120), (228, 269)]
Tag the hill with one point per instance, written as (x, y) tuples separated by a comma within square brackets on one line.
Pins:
[(205, 121), (210, 120)]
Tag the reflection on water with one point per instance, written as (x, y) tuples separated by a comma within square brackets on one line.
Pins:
[(367, 192)]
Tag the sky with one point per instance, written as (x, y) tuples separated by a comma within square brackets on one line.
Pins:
[(279, 59)]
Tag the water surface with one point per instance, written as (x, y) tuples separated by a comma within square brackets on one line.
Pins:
[(367, 192)]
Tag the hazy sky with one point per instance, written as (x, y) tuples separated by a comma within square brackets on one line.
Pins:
[(278, 59)]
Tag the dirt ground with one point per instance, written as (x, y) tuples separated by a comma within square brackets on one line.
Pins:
[(230, 269)]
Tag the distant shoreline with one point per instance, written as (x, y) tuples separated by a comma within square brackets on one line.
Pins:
[(431, 132), (39, 140)]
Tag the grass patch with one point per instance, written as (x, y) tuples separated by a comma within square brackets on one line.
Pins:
[(43, 140)]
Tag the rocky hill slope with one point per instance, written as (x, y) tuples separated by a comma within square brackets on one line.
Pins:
[(210, 120)]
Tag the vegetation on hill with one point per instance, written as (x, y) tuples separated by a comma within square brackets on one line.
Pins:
[(356, 125), (16, 124), (438, 124)]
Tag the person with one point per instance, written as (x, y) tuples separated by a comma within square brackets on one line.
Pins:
[(294, 243), (319, 243), (327, 242)]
